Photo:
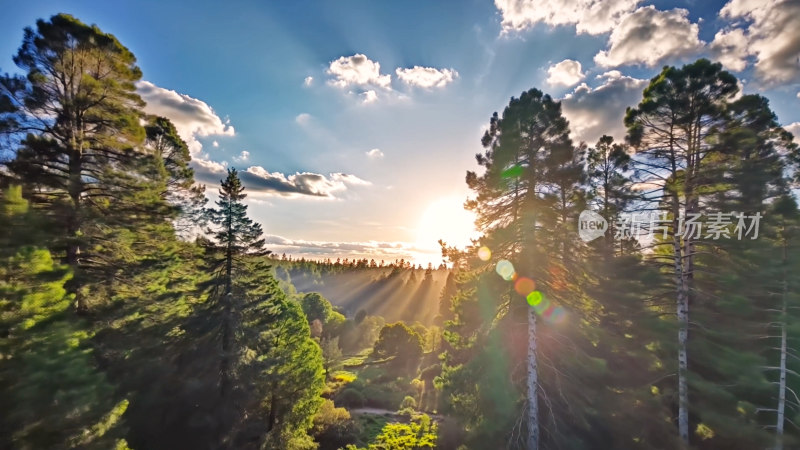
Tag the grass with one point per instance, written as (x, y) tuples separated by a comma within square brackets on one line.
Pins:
[(358, 359)]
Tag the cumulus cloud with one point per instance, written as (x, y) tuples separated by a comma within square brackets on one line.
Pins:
[(208, 172), (215, 144), (613, 96), (369, 96), (302, 118), (243, 157), (566, 73), (357, 70), (588, 16), (648, 36), (772, 36), (192, 117), (308, 81), (426, 77), (375, 153), (794, 128), (730, 48), (258, 180)]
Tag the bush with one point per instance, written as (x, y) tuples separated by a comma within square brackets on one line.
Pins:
[(382, 397), (350, 398), (408, 402), (333, 427)]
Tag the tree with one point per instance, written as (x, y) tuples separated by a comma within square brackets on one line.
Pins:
[(400, 342), (166, 145), (672, 128), (529, 189), (711, 154), (609, 187), (234, 235), (52, 394), (316, 307), (76, 117), (331, 355)]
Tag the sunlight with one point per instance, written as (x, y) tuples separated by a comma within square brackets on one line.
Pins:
[(446, 219)]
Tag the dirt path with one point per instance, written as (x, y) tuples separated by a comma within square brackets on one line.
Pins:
[(374, 411)]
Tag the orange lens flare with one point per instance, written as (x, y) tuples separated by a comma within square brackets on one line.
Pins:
[(524, 286)]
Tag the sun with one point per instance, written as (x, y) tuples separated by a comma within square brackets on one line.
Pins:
[(446, 219)]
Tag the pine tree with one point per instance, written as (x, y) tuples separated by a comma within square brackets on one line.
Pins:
[(673, 128), (52, 393), (76, 116)]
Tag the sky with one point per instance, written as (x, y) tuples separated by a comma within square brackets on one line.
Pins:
[(353, 123)]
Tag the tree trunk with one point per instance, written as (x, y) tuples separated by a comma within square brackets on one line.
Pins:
[(533, 383), (782, 382), (74, 189), (683, 332)]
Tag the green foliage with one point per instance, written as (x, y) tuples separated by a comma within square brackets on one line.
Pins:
[(400, 342), (333, 427), (420, 433), (316, 307), (351, 398), (52, 393)]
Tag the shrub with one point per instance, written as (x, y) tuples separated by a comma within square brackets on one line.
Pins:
[(350, 398)]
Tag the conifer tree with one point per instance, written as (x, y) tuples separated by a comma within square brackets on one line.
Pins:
[(74, 119)]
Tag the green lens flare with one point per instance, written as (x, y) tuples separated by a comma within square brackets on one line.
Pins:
[(534, 298), (512, 172)]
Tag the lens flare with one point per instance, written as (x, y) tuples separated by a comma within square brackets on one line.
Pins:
[(484, 253), (505, 269), (534, 298), (542, 306), (512, 172), (557, 315), (524, 286)]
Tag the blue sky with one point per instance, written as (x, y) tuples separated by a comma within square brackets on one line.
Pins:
[(345, 158)]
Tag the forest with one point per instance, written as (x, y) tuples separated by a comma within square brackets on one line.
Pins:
[(140, 309)]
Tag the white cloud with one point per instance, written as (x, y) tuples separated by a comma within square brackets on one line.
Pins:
[(730, 48), (798, 95), (215, 144), (648, 36), (426, 77), (192, 117), (308, 81), (794, 128), (588, 16), (375, 153), (321, 249), (772, 36), (566, 73), (369, 96), (612, 97), (243, 157), (209, 172), (303, 118), (358, 70), (257, 179)]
